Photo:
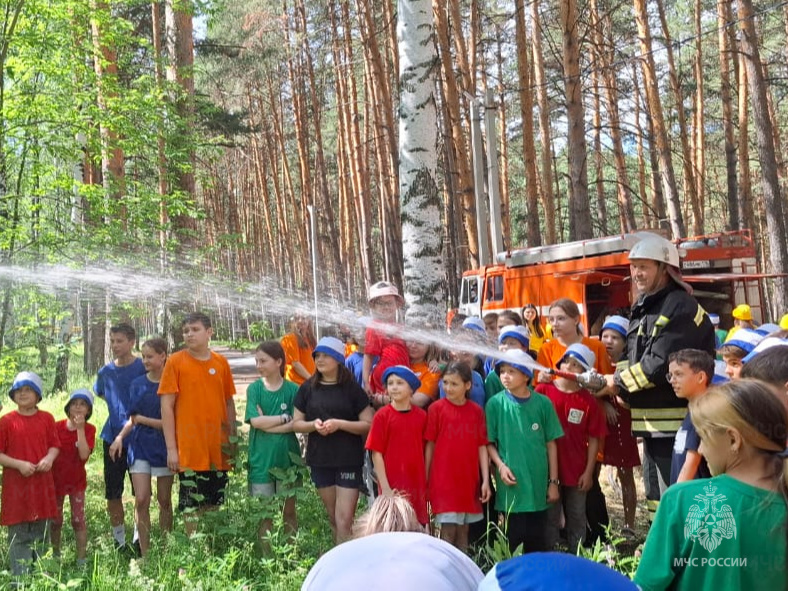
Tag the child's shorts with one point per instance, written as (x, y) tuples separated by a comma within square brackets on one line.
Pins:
[(458, 518), (77, 502), (345, 477), (269, 489), (144, 467)]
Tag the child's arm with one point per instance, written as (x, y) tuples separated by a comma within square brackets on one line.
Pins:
[(147, 421), (300, 369), (168, 427), (301, 425), (25, 468), (587, 477), (359, 427), (282, 423), (429, 451), (117, 445), (507, 476), (366, 371), (690, 467), (484, 466), (380, 472), (82, 442), (45, 464), (552, 469)]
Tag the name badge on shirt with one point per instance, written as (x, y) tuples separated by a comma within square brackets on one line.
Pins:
[(681, 441), (576, 416)]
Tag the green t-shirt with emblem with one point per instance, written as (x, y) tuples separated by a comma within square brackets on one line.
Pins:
[(715, 533), (492, 385), (520, 428), (269, 450)]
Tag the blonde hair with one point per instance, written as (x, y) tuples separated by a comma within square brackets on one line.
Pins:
[(388, 513)]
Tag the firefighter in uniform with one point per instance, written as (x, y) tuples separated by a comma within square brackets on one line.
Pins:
[(665, 318)]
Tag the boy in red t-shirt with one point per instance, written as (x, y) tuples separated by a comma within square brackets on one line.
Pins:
[(384, 301), (28, 448), (584, 426), (396, 440), (77, 439)]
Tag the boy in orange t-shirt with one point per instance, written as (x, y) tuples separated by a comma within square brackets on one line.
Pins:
[(198, 418)]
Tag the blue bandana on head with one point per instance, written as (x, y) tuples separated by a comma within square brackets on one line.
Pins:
[(405, 373)]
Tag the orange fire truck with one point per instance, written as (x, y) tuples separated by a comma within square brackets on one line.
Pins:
[(722, 269)]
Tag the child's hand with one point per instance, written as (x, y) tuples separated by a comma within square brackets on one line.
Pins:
[(585, 481), (173, 462), (544, 378), (610, 413), (507, 475), (553, 493), (116, 449), (45, 465), (319, 427), (486, 494), (79, 422), (435, 367), (330, 426), (26, 468)]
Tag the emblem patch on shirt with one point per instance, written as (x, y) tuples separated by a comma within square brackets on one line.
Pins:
[(709, 521), (576, 416), (212, 371), (535, 427)]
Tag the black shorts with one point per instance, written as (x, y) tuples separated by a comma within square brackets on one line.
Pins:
[(346, 477), (201, 489), (114, 473)]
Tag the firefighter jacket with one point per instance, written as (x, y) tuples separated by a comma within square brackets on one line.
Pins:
[(662, 323)]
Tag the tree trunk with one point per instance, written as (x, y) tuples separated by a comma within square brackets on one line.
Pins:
[(579, 208), (764, 135), (180, 47), (546, 185), (745, 201), (669, 187), (532, 234), (699, 127), (644, 201), (723, 18), (503, 147), (599, 161), (418, 133)]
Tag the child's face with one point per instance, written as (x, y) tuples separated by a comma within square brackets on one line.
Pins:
[(503, 322), (385, 308), (456, 389), (684, 380), (733, 366), (510, 343), (614, 343), (325, 364), (78, 408), (563, 325), (152, 360), (267, 366), (196, 336), (572, 365), (512, 378), (120, 344), (398, 389), (417, 351), (464, 357), (25, 398), (529, 314), (491, 326)]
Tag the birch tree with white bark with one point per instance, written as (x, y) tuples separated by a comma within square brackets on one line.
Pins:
[(420, 200)]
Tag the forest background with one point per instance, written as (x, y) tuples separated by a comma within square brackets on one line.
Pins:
[(184, 141)]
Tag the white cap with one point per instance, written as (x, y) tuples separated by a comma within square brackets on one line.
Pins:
[(519, 333), (715, 319), (27, 378), (766, 343), (767, 329), (617, 323), (474, 323), (581, 354), (745, 339)]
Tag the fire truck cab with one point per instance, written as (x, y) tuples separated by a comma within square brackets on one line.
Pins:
[(722, 269)]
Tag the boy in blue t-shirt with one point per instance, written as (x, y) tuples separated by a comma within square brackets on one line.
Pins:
[(522, 427), (112, 384), (689, 372)]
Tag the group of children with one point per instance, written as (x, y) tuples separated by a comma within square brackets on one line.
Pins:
[(538, 434)]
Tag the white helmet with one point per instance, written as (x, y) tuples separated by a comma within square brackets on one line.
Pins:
[(384, 288), (656, 248)]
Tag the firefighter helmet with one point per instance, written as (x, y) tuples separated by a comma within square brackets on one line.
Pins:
[(655, 248)]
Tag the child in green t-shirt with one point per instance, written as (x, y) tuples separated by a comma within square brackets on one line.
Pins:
[(272, 443), (522, 427), (726, 532)]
